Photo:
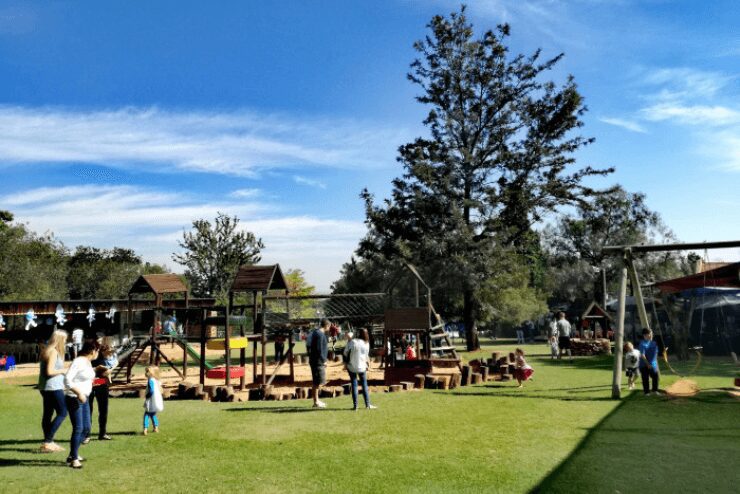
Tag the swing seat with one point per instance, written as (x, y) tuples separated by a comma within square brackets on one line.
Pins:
[(236, 343), (220, 373)]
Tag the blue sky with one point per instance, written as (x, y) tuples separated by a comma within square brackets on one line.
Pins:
[(121, 122)]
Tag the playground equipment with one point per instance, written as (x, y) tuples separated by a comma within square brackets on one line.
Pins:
[(629, 271)]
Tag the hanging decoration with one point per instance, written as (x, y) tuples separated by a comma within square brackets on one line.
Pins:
[(91, 315), (2, 322), (31, 319), (111, 313), (60, 315)]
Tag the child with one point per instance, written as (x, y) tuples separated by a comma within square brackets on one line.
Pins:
[(631, 363), (153, 403), (523, 371)]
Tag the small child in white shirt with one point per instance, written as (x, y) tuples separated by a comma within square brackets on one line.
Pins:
[(631, 364)]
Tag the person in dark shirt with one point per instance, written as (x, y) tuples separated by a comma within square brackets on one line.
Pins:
[(318, 350)]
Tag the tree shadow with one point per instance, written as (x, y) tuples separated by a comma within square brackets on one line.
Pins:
[(524, 395), (123, 433), (286, 410), (677, 433)]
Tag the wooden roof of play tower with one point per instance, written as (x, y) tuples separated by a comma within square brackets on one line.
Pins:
[(158, 284), (259, 278)]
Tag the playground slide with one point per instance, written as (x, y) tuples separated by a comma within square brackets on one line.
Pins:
[(191, 351)]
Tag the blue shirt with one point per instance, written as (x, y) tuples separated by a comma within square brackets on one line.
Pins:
[(318, 347), (650, 350)]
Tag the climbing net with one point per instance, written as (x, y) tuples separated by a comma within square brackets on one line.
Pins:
[(307, 309)]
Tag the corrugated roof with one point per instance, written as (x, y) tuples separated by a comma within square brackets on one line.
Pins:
[(725, 276), (250, 278), (158, 284)]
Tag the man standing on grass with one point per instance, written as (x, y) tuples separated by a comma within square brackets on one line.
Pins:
[(318, 349), (564, 336)]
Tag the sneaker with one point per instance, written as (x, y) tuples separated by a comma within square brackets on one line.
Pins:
[(647, 394), (76, 464), (319, 404), (86, 441), (371, 407), (79, 458), (104, 437), (145, 432), (50, 448), (354, 409), (156, 429)]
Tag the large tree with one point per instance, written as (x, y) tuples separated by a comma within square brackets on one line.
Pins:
[(31, 266), (213, 253), (499, 155), (616, 217)]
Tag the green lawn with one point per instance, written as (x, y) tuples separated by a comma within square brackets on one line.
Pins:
[(561, 433)]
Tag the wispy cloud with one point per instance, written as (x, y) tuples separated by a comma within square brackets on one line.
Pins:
[(308, 181), (237, 143), (685, 83), (245, 193), (625, 124), (151, 221), (692, 115)]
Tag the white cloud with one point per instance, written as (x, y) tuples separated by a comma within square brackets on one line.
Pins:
[(692, 114), (237, 143), (245, 193), (151, 221), (308, 181), (625, 124), (686, 83)]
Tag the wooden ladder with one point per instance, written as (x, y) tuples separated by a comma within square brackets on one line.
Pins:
[(132, 357), (446, 348)]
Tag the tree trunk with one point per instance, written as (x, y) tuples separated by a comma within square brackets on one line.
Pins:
[(471, 330)]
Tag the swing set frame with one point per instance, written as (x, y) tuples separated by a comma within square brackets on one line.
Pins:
[(628, 271)]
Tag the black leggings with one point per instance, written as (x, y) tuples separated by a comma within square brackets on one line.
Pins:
[(100, 393), (648, 374)]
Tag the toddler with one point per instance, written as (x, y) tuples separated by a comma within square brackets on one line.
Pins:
[(523, 371), (631, 363), (154, 402)]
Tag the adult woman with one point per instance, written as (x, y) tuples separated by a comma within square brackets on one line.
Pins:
[(51, 387), (78, 384), (103, 366), (356, 353)]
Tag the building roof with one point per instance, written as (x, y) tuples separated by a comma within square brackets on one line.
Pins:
[(259, 278), (158, 284)]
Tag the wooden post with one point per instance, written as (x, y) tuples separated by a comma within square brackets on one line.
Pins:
[(242, 356), (264, 340), (639, 300), (290, 356), (254, 331), (204, 313), (130, 318), (227, 346), (619, 336), (184, 360)]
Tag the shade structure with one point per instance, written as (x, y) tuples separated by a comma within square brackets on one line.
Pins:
[(725, 276), (259, 278)]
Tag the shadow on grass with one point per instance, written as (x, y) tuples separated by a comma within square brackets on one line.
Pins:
[(13, 462), (524, 395), (674, 433), (124, 433), (286, 410)]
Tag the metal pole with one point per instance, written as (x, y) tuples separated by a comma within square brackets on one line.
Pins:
[(619, 336)]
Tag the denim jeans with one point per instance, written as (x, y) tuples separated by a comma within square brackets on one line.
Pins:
[(100, 393), (53, 402), (365, 394), (79, 415), (649, 374)]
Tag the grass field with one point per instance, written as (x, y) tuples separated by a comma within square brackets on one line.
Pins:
[(561, 433)]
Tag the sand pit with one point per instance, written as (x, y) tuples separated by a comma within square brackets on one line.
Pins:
[(682, 388)]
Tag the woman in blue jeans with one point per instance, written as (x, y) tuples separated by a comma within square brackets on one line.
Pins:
[(356, 353), (78, 384), (51, 387)]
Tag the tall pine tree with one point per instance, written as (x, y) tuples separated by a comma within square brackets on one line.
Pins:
[(498, 157)]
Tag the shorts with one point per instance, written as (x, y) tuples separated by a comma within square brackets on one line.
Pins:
[(633, 372), (564, 342), (318, 375)]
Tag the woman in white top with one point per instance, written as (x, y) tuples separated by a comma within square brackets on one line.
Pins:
[(356, 353), (78, 386), (51, 387)]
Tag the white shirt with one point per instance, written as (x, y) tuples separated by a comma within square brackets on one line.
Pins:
[(80, 375), (564, 327), (632, 359), (358, 351)]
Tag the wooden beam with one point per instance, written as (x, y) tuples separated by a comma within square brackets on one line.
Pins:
[(615, 249), (639, 300)]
